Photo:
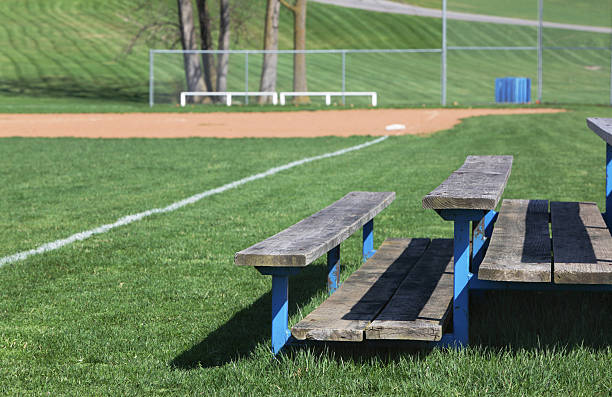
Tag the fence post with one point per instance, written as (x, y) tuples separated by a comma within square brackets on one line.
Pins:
[(540, 34), (344, 76), (444, 50), (151, 78), (246, 77)]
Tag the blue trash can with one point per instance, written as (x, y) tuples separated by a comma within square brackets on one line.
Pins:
[(513, 90)]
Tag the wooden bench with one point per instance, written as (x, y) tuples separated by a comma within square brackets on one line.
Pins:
[(405, 290), (469, 195), (528, 235), (410, 288), (529, 245), (287, 252)]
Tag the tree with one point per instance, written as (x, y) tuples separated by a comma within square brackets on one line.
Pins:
[(208, 60), (215, 76), (270, 60), (299, 44), (158, 27), (193, 68), (224, 43)]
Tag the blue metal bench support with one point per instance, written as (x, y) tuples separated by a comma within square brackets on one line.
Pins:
[(462, 275), (608, 214), (280, 303), (462, 278), (482, 231), (333, 269), (280, 312), (368, 240)]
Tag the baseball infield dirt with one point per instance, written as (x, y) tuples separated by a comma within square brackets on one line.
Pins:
[(238, 125)]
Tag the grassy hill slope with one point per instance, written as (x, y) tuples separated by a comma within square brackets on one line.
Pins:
[(68, 55), (583, 12)]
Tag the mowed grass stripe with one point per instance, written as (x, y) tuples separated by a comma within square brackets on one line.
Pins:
[(126, 220)]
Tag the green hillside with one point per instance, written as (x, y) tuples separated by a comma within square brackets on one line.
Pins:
[(69, 55), (583, 12)]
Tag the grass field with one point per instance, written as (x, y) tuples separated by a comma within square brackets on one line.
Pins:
[(157, 307), (584, 12), (66, 55)]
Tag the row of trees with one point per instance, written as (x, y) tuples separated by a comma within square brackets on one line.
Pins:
[(209, 74)]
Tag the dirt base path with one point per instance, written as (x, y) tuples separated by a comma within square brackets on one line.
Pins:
[(238, 125)]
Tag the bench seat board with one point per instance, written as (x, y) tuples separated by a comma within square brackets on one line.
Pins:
[(421, 305), (477, 184), (520, 247), (346, 313), (582, 244), (602, 127), (312, 237)]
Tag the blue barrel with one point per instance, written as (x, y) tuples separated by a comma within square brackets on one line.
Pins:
[(513, 90)]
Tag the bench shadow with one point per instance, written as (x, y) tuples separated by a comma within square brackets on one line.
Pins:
[(250, 327), (516, 320)]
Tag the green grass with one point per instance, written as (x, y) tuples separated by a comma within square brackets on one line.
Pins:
[(584, 12), (157, 307), (66, 55)]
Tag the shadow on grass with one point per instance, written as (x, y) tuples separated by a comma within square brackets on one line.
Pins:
[(503, 321), (66, 87), (517, 320), (508, 321), (250, 327)]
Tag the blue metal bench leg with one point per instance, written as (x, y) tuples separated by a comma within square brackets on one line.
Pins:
[(280, 312), (462, 279), (461, 286), (333, 269), (280, 303), (368, 240)]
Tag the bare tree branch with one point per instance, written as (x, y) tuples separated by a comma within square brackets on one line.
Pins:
[(289, 6)]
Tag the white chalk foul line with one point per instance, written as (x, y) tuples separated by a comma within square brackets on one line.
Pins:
[(174, 206)]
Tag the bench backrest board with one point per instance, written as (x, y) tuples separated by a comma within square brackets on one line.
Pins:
[(304, 242), (602, 127), (478, 184)]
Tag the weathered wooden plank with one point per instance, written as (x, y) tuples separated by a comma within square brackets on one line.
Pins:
[(520, 248), (477, 184), (345, 315), (421, 306), (602, 127), (582, 244), (312, 237)]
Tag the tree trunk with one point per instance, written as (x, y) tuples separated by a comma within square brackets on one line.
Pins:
[(208, 60), (270, 61), (193, 68), (299, 60), (224, 43), (299, 43)]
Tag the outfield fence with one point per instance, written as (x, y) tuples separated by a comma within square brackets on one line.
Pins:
[(567, 63)]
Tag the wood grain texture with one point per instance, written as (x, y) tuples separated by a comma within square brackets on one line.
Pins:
[(582, 244), (345, 314), (421, 306), (312, 237), (520, 248), (477, 184), (602, 127)]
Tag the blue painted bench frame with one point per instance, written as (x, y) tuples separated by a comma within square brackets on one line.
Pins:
[(466, 265), (281, 335)]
